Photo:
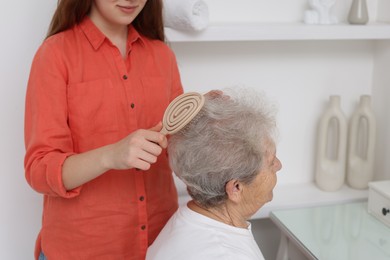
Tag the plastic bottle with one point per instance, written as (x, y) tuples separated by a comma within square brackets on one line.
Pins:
[(361, 145), (331, 147)]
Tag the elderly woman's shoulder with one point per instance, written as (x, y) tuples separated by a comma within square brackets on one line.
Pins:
[(187, 237)]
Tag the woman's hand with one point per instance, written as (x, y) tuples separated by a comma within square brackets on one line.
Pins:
[(138, 150), (213, 94)]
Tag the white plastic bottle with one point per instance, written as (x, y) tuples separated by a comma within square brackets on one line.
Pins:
[(331, 147), (361, 145)]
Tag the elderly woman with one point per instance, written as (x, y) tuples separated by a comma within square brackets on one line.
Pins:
[(227, 158)]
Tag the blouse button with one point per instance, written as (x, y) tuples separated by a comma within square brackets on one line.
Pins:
[(143, 227), (132, 105), (141, 198), (124, 76)]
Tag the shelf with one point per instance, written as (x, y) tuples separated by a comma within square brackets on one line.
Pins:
[(302, 195), (282, 31)]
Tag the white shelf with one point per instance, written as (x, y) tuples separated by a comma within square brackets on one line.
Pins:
[(302, 195), (282, 31)]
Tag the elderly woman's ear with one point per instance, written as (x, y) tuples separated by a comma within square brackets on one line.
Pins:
[(233, 189)]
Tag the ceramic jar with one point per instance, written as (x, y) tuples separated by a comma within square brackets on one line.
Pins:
[(331, 147), (358, 13), (361, 145)]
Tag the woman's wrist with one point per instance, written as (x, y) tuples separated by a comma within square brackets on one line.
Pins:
[(106, 155)]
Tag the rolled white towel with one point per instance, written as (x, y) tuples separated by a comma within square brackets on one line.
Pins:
[(187, 15)]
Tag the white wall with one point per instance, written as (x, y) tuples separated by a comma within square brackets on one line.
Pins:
[(22, 27), (300, 77)]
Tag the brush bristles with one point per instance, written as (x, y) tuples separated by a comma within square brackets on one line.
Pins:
[(193, 121)]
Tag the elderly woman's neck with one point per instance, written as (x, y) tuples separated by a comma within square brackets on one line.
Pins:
[(223, 213)]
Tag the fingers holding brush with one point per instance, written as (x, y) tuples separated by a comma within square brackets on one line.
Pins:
[(213, 94), (138, 150), (158, 137)]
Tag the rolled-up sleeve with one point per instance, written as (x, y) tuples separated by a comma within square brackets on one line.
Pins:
[(48, 139)]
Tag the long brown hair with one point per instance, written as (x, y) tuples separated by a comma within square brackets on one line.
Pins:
[(149, 21)]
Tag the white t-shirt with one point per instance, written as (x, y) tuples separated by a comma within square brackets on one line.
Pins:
[(189, 235)]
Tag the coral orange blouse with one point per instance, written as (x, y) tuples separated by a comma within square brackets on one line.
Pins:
[(82, 94)]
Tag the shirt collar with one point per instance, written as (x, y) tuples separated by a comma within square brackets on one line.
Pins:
[(133, 36), (96, 37)]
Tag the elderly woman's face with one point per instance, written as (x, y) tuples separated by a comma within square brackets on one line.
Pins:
[(259, 191)]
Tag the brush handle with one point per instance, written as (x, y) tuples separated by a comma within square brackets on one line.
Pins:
[(164, 131)]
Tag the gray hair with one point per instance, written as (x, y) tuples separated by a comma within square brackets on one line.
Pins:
[(227, 140)]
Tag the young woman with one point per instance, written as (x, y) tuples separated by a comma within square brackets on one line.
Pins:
[(98, 88)]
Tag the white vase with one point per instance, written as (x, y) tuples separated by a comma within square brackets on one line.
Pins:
[(331, 147), (358, 14), (361, 145)]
